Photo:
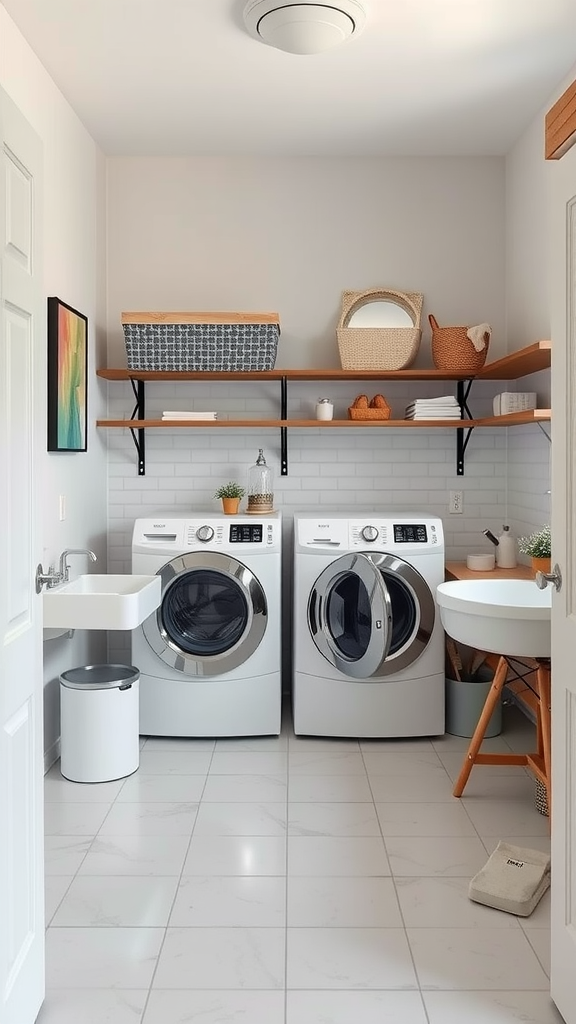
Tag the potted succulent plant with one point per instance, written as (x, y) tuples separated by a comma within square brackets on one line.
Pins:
[(539, 546), (230, 495)]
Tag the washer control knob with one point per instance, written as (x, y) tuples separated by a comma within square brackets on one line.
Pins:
[(205, 533), (370, 533)]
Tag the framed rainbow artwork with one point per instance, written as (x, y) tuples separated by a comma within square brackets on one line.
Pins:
[(67, 371)]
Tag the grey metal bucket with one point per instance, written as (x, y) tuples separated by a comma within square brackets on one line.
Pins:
[(464, 703)]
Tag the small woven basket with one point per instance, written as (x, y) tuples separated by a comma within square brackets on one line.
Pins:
[(452, 349), (370, 412), (379, 348)]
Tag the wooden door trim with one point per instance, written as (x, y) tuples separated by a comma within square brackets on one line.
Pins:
[(560, 125)]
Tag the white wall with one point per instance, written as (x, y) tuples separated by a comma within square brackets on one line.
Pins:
[(290, 235), (528, 313), (74, 262)]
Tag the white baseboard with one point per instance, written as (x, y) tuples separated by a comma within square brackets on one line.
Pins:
[(51, 755)]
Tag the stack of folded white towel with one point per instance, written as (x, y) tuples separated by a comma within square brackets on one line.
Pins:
[(445, 408), (183, 415)]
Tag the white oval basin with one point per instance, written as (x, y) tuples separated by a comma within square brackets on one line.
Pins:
[(101, 601), (502, 616)]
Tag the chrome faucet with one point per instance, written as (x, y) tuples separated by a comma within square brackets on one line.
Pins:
[(64, 568)]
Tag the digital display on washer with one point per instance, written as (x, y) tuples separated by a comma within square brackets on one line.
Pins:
[(405, 533), (250, 533)]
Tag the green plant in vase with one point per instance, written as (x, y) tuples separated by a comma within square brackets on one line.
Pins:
[(230, 494), (538, 546)]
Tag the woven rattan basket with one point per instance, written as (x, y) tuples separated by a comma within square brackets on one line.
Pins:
[(379, 348), (452, 349)]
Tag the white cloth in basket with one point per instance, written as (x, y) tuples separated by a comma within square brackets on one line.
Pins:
[(478, 334), (513, 879)]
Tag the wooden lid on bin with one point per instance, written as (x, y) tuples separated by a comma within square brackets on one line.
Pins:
[(210, 317)]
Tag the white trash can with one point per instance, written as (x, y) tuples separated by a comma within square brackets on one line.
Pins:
[(465, 702), (99, 739)]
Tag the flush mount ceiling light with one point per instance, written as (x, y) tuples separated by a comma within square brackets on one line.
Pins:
[(304, 26)]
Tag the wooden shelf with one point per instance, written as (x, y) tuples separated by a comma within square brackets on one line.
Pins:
[(517, 364), (320, 424), (514, 418), (531, 416)]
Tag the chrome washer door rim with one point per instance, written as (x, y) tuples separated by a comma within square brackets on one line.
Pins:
[(236, 573), (425, 607), (361, 566)]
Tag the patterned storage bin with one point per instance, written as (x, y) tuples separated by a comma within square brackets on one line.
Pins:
[(201, 341)]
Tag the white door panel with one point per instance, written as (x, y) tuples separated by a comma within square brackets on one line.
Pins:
[(22, 421), (563, 298)]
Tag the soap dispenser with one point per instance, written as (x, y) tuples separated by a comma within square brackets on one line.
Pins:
[(506, 550), (260, 487)]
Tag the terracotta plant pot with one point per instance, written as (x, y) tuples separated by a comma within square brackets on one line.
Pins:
[(541, 564), (230, 506)]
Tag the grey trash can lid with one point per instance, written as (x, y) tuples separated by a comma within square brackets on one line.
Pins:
[(99, 677)]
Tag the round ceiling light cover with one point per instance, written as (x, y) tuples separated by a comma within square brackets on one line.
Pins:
[(303, 26)]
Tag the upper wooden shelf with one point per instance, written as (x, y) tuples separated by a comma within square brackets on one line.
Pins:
[(517, 364), (151, 375)]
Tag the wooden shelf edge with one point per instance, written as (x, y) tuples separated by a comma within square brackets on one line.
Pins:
[(511, 420), (305, 424), (520, 363), (514, 418), (517, 364), (119, 374)]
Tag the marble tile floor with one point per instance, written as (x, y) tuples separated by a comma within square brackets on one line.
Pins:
[(287, 880)]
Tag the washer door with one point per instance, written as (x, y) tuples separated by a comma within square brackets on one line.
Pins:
[(371, 614), (349, 615), (212, 616)]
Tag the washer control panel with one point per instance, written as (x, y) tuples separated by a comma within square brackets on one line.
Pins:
[(217, 532), (404, 533)]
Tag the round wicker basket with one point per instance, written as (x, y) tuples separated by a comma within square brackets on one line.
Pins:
[(452, 349), (379, 348)]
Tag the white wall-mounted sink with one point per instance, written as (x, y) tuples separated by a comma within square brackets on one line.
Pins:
[(502, 616), (104, 601)]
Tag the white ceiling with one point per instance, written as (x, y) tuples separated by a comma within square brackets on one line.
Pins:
[(183, 77)]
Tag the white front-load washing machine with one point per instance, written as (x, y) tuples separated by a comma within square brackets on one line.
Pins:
[(368, 641), (209, 657)]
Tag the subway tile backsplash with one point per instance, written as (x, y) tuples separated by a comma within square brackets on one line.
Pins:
[(506, 471)]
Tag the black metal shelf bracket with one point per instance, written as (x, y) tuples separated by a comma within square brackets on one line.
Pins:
[(463, 434), (283, 430), (139, 434)]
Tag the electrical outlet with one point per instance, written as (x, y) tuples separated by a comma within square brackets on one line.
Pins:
[(62, 507), (456, 503)]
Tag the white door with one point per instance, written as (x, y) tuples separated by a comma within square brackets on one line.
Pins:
[(22, 418), (562, 180)]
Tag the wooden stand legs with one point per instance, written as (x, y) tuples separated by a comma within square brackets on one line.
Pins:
[(539, 762)]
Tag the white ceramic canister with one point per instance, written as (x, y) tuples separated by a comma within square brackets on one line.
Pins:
[(506, 550), (324, 409)]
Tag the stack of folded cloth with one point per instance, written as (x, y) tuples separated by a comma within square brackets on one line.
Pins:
[(183, 415), (446, 408)]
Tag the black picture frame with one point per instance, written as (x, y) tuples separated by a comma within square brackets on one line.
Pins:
[(67, 378)]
